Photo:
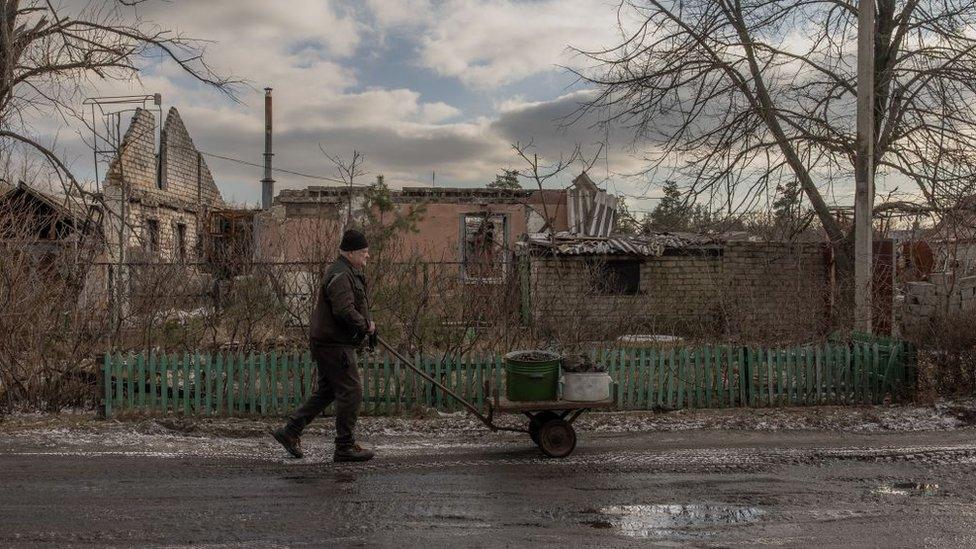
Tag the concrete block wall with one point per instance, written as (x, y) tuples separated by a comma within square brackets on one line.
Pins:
[(775, 288), (943, 295), (769, 289)]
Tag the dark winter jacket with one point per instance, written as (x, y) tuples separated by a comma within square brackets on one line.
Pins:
[(341, 315)]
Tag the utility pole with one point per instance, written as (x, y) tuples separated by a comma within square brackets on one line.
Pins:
[(864, 169)]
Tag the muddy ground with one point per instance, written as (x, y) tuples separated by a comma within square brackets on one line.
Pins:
[(823, 477)]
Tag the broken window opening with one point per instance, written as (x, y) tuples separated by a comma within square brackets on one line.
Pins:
[(181, 242), (619, 277), (152, 236), (484, 252)]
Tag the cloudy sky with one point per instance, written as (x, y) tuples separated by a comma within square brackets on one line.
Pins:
[(419, 86)]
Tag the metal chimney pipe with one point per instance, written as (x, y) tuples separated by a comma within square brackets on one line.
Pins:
[(267, 184)]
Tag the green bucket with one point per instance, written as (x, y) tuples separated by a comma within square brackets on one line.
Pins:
[(531, 375)]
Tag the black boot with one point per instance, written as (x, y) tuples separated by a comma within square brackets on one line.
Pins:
[(352, 452), (291, 443)]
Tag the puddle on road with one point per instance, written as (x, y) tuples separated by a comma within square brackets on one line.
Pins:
[(668, 521), (907, 489)]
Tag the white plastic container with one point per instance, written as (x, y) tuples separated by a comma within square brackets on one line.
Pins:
[(585, 386)]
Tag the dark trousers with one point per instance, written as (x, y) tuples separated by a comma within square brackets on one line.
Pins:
[(338, 381)]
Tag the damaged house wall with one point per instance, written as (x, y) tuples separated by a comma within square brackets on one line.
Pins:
[(157, 198), (757, 290)]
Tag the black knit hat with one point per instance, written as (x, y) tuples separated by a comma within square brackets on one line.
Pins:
[(353, 240)]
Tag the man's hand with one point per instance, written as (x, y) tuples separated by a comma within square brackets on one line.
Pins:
[(372, 327), (372, 339)]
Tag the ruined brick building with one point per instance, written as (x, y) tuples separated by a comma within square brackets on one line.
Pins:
[(158, 193)]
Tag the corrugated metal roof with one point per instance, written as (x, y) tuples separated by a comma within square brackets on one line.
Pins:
[(651, 246)]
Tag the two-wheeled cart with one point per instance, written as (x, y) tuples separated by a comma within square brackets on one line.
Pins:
[(550, 421)]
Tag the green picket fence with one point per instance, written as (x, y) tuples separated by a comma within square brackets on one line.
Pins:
[(272, 384)]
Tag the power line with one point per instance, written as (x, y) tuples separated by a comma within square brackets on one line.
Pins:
[(273, 169)]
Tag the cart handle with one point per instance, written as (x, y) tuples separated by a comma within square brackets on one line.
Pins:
[(424, 375)]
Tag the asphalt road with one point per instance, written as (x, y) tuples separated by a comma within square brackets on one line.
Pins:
[(697, 488)]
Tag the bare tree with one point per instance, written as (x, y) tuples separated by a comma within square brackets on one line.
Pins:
[(743, 95), (348, 171), (49, 52)]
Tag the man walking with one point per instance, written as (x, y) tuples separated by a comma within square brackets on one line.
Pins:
[(340, 322)]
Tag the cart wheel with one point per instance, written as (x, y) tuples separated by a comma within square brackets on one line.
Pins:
[(537, 421), (557, 438)]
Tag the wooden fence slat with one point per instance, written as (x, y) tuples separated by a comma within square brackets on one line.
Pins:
[(667, 366), (657, 383), (219, 383), (803, 375), (377, 385), (279, 382), (233, 400), (153, 404), (825, 373), (629, 358), (182, 396), (627, 373), (409, 385), (620, 374), (723, 358), (252, 375), (866, 395), (782, 357), (745, 384), (721, 385), (261, 388), (387, 388), (770, 384), (847, 363), (641, 374), (749, 375), (830, 373), (421, 389), (683, 381), (782, 386), (818, 374), (164, 383), (869, 371), (480, 379), (878, 385), (708, 377), (208, 382), (272, 379), (130, 381), (838, 372), (197, 386), (140, 380), (652, 379), (736, 390), (116, 380), (864, 367), (107, 383), (811, 394), (792, 376)]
